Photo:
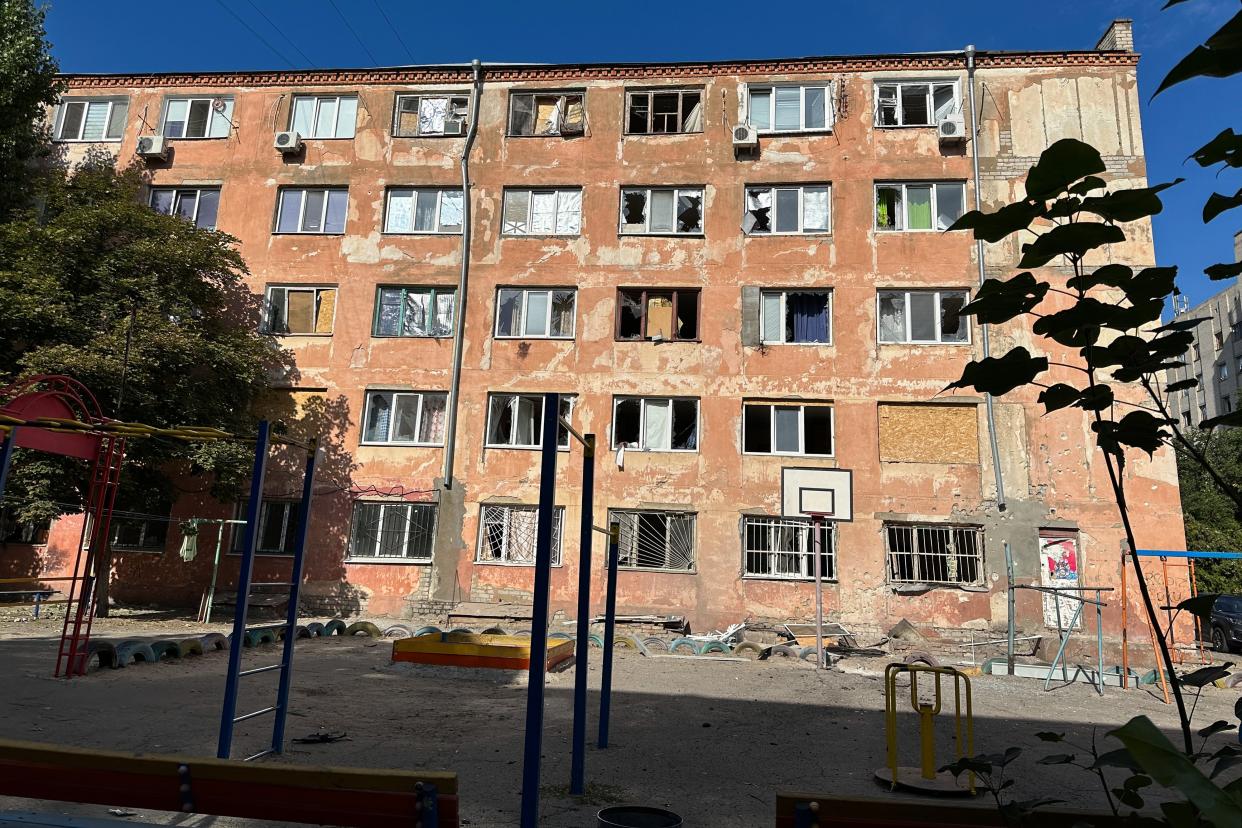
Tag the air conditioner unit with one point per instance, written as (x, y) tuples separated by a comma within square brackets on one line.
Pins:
[(454, 126), (288, 142), (952, 128), (152, 146), (745, 137)]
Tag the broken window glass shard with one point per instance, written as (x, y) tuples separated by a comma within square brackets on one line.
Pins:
[(758, 211), (757, 429), (634, 207), (627, 422), (914, 109), (685, 425), (630, 315), (689, 213)]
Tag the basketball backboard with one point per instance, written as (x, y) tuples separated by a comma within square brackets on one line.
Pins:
[(827, 493)]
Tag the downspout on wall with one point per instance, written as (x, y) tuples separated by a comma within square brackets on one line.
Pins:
[(989, 404), (463, 280)]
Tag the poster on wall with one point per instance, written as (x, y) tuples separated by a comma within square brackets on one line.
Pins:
[(1058, 556)]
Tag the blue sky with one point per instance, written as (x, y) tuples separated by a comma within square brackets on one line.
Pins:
[(107, 36)]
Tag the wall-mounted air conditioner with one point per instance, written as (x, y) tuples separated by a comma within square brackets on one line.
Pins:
[(288, 143), (745, 137), (952, 128), (152, 147)]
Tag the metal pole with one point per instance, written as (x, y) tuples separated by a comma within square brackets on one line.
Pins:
[(1056, 598), (577, 776), (817, 523), (533, 754), (236, 646), (6, 457), (1064, 641), (215, 570), (1010, 599), (1099, 635), (610, 621), (1125, 635)]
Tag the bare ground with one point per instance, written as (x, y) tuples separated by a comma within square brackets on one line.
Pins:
[(710, 739)]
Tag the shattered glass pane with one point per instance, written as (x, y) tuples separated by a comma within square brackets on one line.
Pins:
[(689, 213), (892, 316), (640, 108), (416, 312), (431, 114), (522, 115), (758, 217), (950, 204), (634, 209), (508, 312), (888, 208), (563, 304), (943, 100), (757, 429), (952, 323), (630, 315), (685, 424), (886, 105), (451, 211), (914, 109), (388, 321), (626, 422)]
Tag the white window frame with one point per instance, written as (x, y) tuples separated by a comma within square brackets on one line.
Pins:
[(772, 223), (772, 405), (323, 213), (530, 206), (917, 555), (434, 292), (562, 435), (353, 556), (677, 192), (829, 108), (558, 534), (614, 515), (287, 288), (784, 297), (111, 103), (931, 85), (451, 111), (547, 321), (412, 193), (392, 395), (562, 109), (289, 512), (314, 120), (176, 195), (225, 113), (903, 219), (909, 340), (805, 558), (642, 424)]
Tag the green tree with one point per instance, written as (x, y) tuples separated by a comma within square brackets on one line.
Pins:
[(28, 85), (1211, 517)]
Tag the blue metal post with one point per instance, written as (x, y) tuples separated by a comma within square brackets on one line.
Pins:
[(243, 591), (610, 622), (533, 754), (577, 777), (291, 618)]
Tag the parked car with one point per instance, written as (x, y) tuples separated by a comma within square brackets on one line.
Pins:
[(1225, 623)]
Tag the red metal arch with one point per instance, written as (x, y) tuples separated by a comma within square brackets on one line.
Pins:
[(56, 396)]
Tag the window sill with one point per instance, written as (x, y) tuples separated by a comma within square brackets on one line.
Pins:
[(490, 446), (304, 233), (326, 138), (421, 233), (259, 554), (655, 451), (401, 445), (87, 140), (655, 570), (129, 550), (821, 234), (925, 344), (506, 338), (789, 454), (311, 335), (561, 135), (766, 344), (541, 235), (660, 134), (430, 135), (199, 138), (810, 579), (511, 563), (389, 561), (650, 341), (409, 336), (787, 133), (670, 235), (893, 231), (906, 126)]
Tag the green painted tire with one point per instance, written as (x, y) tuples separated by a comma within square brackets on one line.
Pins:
[(315, 629), (427, 631), (595, 640), (166, 649), (684, 646), (714, 647), (334, 627)]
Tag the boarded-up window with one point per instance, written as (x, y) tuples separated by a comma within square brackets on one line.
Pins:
[(929, 433)]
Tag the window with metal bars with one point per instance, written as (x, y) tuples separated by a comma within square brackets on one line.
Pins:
[(393, 530), (507, 535), (655, 539), (783, 548), (934, 554)]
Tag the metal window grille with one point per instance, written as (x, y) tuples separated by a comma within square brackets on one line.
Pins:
[(393, 530), (784, 548), (508, 534), (655, 540), (923, 554)]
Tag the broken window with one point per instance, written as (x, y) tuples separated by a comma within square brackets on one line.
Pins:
[(526, 313), (198, 206), (659, 315), (15, 530), (542, 212), (101, 119), (930, 554), (655, 423), (278, 527), (790, 108), (796, 316), (392, 530), (784, 548), (787, 428), (300, 310), (312, 211), (197, 117), (324, 116), (914, 104), (423, 115), (655, 539), (922, 316), (516, 421), (423, 210), (659, 211), (547, 113), (919, 205), (139, 533), (407, 418), (507, 534), (663, 112), (789, 209), (414, 311)]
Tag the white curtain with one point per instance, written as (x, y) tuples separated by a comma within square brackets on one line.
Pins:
[(431, 114), (657, 431), (569, 213), (815, 209), (543, 213)]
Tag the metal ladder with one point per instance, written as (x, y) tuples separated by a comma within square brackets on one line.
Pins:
[(228, 716), (74, 651)]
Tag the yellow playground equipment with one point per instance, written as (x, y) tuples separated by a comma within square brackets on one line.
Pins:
[(925, 777)]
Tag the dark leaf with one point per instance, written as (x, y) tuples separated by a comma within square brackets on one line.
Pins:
[(1217, 204), (1056, 759), (1219, 57), (1172, 344), (1217, 726), (1200, 605), (1237, 708), (1137, 781), (1058, 396), (1225, 148), (1223, 271), (1204, 676), (1138, 429), (1183, 324), (1181, 385), (1000, 375), (1096, 398), (1069, 240), (1061, 165), (1091, 182), (1233, 418), (1128, 205), (1223, 764), (972, 764), (1009, 755), (1171, 4), (1076, 326), (992, 227), (1136, 316), (1049, 736), (1150, 283), (1008, 783), (1112, 275), (1064, 207), (999, 301), (1119, 758), (1129, 798)]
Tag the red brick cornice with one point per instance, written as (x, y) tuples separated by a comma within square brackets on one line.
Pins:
[(587, 72)]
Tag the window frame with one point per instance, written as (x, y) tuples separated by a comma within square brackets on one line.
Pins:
[(678, 191), (562, 441), (830, 114), (145, 522), (938, 292), (267, 308), (901, 227), (682, 112), (801, 405), (916, 554), (804, 527), (691, 569), (643, 292), (392, 394), (418, 96), (413, 194), (434, 294), (784, 294), (530, 191), (526, 291), (558, 534), (642, 424), (319, 98), (351, 556), (112, 102), (291, 508), (323, 216), (801, 189), (176, 196), (226, 114), (931, 84), (514, 94)]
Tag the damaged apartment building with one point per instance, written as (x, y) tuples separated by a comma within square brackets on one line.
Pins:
[(726, 268)]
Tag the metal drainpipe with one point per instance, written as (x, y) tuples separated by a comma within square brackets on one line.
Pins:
[(463, 281), (987, 349)]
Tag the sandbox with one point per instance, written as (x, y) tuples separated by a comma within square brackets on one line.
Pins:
[(499, 652)]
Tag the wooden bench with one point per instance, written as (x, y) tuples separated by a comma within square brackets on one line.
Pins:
[(191, 784), (806, 810)]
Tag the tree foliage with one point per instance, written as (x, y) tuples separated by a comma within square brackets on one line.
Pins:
[(1211, 517), (28, 85)]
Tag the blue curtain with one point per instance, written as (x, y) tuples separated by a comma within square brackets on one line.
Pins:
[(809, 312)]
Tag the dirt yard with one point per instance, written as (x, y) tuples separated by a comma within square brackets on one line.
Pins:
[(711, 739)]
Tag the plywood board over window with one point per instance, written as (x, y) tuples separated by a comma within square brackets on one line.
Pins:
[(929, 433)]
